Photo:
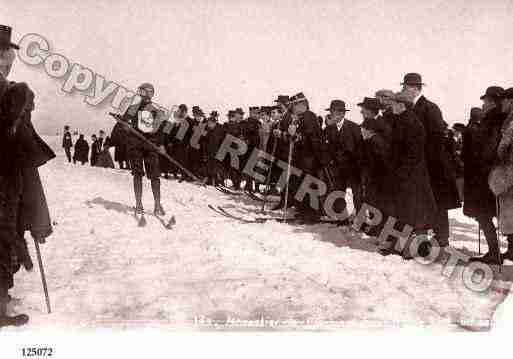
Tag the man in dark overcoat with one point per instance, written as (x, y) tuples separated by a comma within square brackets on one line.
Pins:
[(441, 169)]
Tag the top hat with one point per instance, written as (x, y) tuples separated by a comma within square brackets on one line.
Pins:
[(494, 92), (300, 97), (412, 78), (337, 105), (5, 38), (370, 103), (283, 99)]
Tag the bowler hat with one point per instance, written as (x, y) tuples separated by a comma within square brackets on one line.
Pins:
[(493, 92), (370, 103), (337, 105), (412, 78), (284, 99), (5, 38)]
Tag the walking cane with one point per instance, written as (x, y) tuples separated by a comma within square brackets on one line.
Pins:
[(43, 277), (497, 208), (291, 147), (268, 178)]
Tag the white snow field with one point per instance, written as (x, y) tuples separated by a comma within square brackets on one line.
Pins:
[(104, 271)]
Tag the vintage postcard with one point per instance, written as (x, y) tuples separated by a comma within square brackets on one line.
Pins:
[(254, 167)]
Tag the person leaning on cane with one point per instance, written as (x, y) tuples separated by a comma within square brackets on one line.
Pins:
[(22, 151)]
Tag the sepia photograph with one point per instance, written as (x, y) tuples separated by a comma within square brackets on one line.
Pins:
[(225, 174)]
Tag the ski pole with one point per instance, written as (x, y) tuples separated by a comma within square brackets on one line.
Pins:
[(155, 147), (268, 179), (43, 277)]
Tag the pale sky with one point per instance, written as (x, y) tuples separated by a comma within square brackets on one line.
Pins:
[(226, 54)]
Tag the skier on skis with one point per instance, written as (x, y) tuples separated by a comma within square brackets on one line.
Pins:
[(149, 120)]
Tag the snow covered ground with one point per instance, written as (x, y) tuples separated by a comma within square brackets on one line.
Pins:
[(106, 272)]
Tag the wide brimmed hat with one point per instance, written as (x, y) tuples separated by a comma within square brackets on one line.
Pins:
[(370, 103), (494, 92), (337, 105), (413, 79), (299, 97), (5, 38)]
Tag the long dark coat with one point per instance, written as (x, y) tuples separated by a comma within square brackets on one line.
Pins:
[(24, 204), (344, 149), (440, 166), (414, 200), (118, 140), (377, 174), (480, 142), (81, 150), (307, 151)]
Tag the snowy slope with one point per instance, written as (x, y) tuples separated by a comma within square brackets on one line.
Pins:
[(104, 271)]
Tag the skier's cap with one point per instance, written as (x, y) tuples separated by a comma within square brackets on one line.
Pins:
[(5, 38)]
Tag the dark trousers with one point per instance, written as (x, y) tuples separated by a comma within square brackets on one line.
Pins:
[(441, 227), (68, 153), (489, 230)]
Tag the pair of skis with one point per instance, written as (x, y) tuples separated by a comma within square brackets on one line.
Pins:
[(262, 219)]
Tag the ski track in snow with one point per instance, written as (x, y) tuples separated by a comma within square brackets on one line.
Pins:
[(105, 271)]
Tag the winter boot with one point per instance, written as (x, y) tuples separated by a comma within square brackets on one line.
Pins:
[(6, 320)]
